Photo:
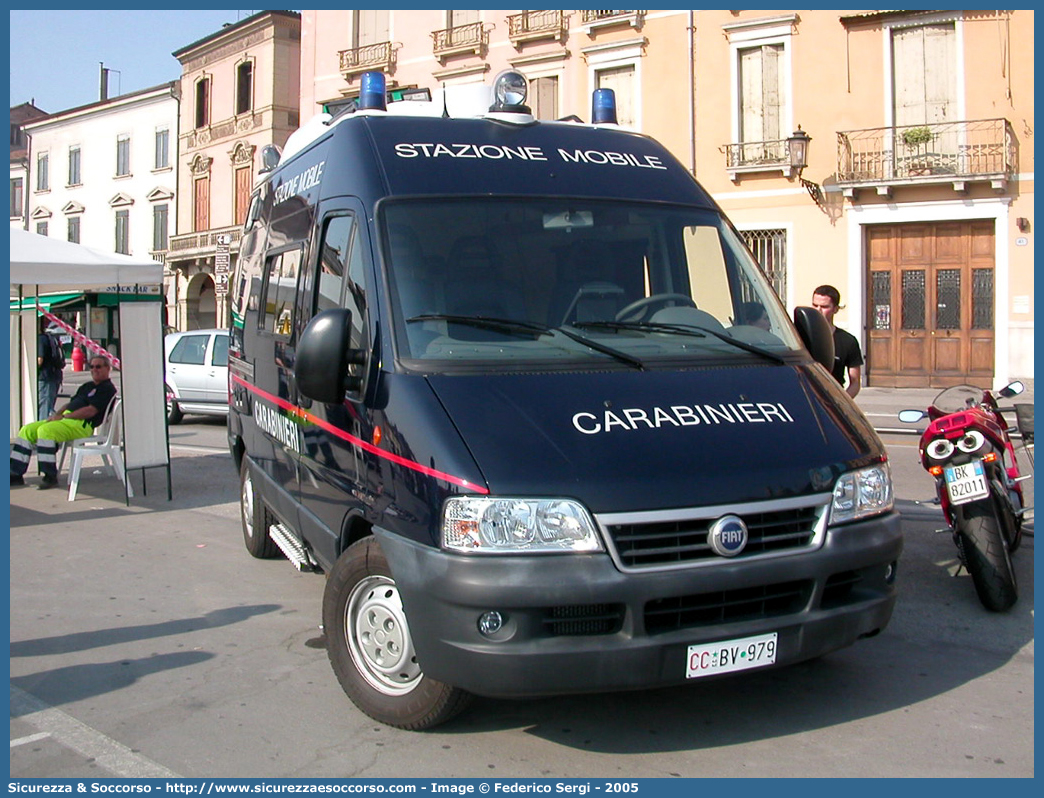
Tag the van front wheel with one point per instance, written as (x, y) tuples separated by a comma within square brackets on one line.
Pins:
[(370, 648)]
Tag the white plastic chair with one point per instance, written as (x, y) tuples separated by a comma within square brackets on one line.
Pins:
[(109, 448), (99, 432)]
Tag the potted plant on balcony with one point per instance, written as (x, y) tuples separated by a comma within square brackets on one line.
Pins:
[(915, 136), (916, 139)]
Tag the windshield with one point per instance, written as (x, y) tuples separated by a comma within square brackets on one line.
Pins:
[(515, 283), (958, 398)]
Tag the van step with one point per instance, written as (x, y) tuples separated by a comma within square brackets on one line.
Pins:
[(291, 547)]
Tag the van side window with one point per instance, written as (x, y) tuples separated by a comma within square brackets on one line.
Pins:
[(333, 255), (355, 292), (337, 241), (342, 263), (281, 270), (253, 212)]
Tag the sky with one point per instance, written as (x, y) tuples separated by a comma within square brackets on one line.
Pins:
[(55, 55)]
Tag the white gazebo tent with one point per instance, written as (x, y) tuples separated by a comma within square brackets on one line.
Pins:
[(47, 265)]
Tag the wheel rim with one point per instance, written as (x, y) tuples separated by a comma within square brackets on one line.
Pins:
[(246, 502), (378, 637)]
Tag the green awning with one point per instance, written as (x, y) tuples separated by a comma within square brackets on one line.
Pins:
[(44, 301), (97, 300)]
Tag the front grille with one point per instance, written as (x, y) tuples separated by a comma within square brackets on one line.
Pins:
[(727, 606), (658, 544), (584, 619)]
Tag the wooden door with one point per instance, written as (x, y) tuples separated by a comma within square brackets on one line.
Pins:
[(243, 175), (931, 304)]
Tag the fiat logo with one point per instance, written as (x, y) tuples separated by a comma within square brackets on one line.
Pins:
[(728, 536)]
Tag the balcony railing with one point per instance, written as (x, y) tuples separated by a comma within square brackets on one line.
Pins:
[(187, 245), (532, 26), (757, 156), (955, 152), (757, 153), (470, 38), (371, 57), (597, 19)]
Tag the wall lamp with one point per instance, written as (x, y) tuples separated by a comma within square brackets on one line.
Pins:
[(797, 151)]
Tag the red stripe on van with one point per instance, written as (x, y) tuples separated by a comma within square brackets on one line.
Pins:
[(369, 447)]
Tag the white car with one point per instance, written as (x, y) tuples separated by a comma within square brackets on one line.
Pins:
[(63, 337), (196, 379)]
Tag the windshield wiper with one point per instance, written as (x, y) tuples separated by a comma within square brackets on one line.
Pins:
[(607, 350), (486, 323), (529, 328), (681, 329)]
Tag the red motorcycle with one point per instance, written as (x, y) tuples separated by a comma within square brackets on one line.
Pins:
[(967, 448)]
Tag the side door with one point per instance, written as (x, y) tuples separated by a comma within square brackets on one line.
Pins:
[(331, 459), (216, 375), (187, 366), (274, 401)]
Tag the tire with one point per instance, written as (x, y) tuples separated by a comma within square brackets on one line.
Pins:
[(382, 678), (987, 556), (174, 414), (255, 517)]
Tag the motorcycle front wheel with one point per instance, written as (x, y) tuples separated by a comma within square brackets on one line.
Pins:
[(987, 556)]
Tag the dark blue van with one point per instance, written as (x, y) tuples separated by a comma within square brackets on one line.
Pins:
[(520, 392)]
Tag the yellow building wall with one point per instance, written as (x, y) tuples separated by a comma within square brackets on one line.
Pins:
[(839, 79)]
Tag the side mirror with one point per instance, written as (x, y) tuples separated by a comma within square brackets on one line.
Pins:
[(816, 335), (1011, 389), (911, 416), (324, 357)]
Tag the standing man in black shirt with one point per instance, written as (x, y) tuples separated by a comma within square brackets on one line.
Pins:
[(848, 359), (50, 362), (77, 419)]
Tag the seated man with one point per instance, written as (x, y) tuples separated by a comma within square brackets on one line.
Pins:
[(77, 419)]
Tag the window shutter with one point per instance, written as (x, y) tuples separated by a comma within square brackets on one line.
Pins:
[(772, 96), (751, 113)]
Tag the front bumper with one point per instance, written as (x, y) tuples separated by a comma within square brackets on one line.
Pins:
[(575, 623)]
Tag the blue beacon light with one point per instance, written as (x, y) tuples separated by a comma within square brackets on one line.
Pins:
[(372, 92), (603, 107)]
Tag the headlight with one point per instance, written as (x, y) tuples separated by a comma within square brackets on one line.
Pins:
[(485, 525), (861, 493)]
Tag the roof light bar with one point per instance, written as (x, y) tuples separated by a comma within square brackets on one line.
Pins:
[(372, 92), (603, 107)]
